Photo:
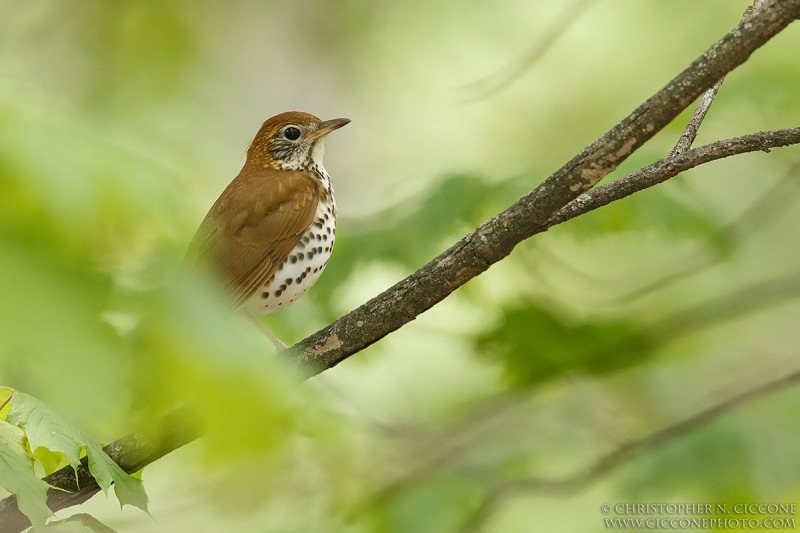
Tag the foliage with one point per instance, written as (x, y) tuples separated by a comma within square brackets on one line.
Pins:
[(120, 124), (32, 429)]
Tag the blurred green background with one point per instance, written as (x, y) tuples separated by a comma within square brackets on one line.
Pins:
[(121, 122)]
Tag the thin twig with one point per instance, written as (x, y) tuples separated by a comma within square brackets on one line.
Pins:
[(504, 77), (690, 132), (622, 455), (5, 402), (667, 168), (449, 451), (749, 222)]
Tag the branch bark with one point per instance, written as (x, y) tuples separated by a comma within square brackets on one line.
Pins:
[(669, 167), (496, 238), (690, 132)]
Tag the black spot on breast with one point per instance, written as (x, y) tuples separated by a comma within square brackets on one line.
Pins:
[(309, 255), (293, 259), (278, 292), (265, 294), (288, 281)]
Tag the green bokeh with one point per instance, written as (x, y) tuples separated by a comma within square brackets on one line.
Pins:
[(121, 122)]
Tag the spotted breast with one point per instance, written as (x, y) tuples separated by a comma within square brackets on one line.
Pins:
[(301, 269)]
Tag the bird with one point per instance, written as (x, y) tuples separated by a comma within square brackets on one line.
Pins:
[(270, 234)]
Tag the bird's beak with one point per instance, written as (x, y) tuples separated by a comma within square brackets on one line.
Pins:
[(327, 127)]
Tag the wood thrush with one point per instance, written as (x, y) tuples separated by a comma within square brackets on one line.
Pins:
[(271, 232)]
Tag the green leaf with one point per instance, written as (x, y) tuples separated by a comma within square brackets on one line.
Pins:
[(129, 490), (17, 477), (437, 504), (46, 428), (50, 460), (78, 523), (14, 438), (537, 344), (713, 464)]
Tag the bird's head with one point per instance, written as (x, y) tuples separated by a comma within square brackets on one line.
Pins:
[(291, 141)]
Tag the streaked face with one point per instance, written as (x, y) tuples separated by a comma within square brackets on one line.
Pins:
[(293, 146)]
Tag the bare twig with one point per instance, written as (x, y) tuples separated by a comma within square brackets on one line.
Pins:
[(449, 451), (750, 222), (764, 295), (504, 77), (623, 454), (8, 399), (690, 132), (669, 167)]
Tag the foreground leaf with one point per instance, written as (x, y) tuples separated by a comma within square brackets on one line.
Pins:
[(129, 490), (17, 477), (47, 429)]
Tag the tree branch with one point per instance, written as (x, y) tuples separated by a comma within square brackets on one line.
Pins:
[(496, 238), (625, 453), (669, 167), (490, 242)]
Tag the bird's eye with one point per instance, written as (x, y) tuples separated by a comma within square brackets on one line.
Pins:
[(292, 133)]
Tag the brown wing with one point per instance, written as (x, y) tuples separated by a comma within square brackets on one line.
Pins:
[(253, 226)]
